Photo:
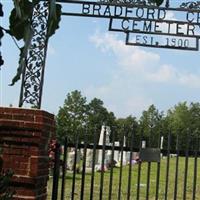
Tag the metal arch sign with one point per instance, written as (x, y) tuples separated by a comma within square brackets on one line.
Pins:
[(145, 24)]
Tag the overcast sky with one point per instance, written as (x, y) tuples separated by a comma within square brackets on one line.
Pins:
[(83, 55)]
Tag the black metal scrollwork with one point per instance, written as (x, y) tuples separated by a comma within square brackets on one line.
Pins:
[(128, 2), (32, 80), (191, 5), (33, 75), (133, 2)]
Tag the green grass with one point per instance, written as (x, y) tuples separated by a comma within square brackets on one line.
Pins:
[(152, 188)]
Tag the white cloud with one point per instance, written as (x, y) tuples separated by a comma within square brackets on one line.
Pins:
[(136, 104), (143, 63), (137, 60), (127, 91), (120, 97), (190, 80), (132, 59), (51, 50), (163, 74)]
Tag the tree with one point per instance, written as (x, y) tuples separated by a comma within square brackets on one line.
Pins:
[(150, 125), (72, 117), (98, 115), (179, 120), (78, 117), (194, 110), (128, 126)]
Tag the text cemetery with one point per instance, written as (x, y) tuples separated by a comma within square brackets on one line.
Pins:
[(146, 25)]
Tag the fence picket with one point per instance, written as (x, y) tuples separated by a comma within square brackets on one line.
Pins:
[(93, 165), (64, 170), (167, 167), (130, 167), (177, 164), (83, 167), (111, 168), (74, 167)]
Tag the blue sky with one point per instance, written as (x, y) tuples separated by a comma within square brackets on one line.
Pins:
[(83, 55)]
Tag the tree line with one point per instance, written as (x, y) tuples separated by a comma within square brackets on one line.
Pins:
[(77, 117)]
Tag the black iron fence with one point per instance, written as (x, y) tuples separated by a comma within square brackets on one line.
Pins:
[(139, 172)]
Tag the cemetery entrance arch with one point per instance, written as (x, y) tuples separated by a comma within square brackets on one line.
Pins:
[(143, 24)]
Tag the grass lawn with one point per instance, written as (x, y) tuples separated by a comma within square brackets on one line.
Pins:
[(143, 181)]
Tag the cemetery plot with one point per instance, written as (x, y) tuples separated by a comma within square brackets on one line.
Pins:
[(134, 183), (126, 170), (103, 158)]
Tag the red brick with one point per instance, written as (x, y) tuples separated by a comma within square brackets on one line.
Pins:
[(24, 166), (31, 129), (24, 117), (5, 116), (27, 192), (30, 180), (9, 123)]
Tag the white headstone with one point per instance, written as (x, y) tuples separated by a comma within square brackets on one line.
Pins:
[(89, 160), (116, 152), (128, 154), (124, 153), (161, 142), (100, 152), (89, 157), (143, 144), (117, 155), (70, 160), (161, 145)]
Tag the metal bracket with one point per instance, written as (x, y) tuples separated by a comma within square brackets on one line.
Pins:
[(191, 5)]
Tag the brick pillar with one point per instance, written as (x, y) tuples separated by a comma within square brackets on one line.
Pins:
[(24, 137)]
